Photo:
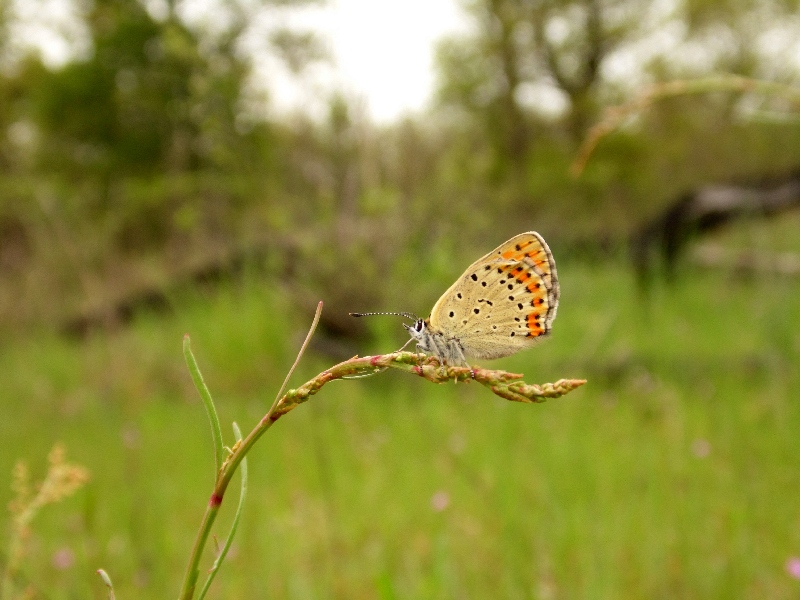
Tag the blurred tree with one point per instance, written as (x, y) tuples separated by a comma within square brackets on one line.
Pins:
[(521, 48), (147, 143), (532, 76), (520, 45), (6, 94), (743, 36), (154, 95), (3, 24)]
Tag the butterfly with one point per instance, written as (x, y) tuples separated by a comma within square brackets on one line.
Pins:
[(503, 303)]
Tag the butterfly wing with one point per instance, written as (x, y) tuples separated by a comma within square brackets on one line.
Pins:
[(504, 302)]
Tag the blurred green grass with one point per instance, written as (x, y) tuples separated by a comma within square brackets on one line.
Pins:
[(673, 473)]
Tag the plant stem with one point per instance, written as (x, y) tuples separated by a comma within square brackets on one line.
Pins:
[(506, 385)]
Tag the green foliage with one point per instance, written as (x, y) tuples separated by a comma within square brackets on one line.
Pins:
[(147, 166), (149, 160), (672, 469), (145, 101)]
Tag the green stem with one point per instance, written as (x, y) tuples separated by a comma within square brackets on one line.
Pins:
[(506, 385), (193, 570), (234, 526), (212, 509)]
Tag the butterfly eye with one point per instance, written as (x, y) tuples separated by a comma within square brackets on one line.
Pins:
[(419, 325)]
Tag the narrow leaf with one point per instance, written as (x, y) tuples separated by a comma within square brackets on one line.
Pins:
[(208, 402), (296, 360), (107, 581)]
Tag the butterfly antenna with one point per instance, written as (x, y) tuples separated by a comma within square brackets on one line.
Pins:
[(411, 316)]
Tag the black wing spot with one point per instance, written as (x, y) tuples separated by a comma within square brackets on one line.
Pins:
[(519, 305), (459, 296), (511, 298), (474, 277), (452, 314), (512, 334), (483, 283), (511, 286), (476, 310)]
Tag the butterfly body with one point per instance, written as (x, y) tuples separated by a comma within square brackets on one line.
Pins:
[(448, 350), (503, 303)]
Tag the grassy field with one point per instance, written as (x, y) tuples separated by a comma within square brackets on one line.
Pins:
[(674, 473)]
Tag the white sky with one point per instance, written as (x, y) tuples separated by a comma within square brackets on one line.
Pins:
[(382, 53)]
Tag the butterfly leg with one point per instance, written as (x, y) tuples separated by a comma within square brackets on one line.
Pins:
[(440, 350), (463, 359), (403, 347), (451, 353)]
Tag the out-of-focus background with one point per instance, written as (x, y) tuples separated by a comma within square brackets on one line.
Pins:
[(217, 167)]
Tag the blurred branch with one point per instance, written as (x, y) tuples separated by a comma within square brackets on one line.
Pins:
[(297, 49), (616, 115)]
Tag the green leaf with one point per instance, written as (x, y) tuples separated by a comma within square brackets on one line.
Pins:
[(208, 402)]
